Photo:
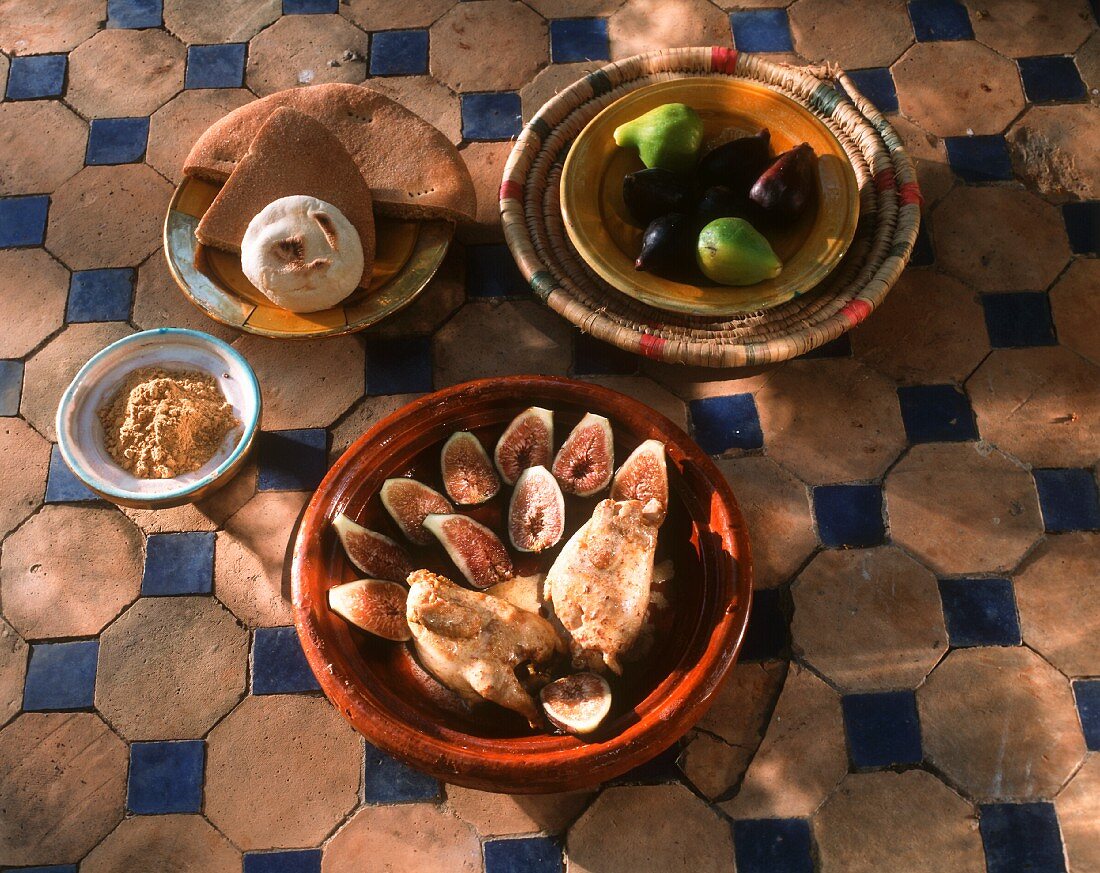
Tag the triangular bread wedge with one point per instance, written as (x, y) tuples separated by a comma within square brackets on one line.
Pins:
[(290, 154), (412, 169)]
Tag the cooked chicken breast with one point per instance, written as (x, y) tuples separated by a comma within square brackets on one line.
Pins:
[(599, 585), (472, 642)]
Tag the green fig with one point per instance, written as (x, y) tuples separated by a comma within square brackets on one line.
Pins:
[(732, 252), (668, 137)]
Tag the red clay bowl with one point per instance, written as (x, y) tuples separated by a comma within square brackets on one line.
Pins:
[(379, 686)]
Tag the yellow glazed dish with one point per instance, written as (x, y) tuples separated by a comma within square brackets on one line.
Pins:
[(407, 255), (600, 227)]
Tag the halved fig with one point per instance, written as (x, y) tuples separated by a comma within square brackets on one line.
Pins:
[(644, 476), (475, 549), (371, 552), (586, 459), (523, 592), (578, 703), (527, 442), (375, 605), (468, 474), (408, 502), (536, 513)]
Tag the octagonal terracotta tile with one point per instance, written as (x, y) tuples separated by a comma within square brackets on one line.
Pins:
[(695, 383), (933, 94), (205, 515), (930, 329), (1088, 64), (235, 21), (431, 100), (574, 8), (4, 64), (59, 25), (500, 815), (830, 420), (51, 369), (26, 167), (648, 392), (644, 25), (174, 127), (23, 476), (406, 836), (121, 73), (1040, 404), (485, 161), (108, 216), (1000, 723), (154, 648), (929, 158), (1000, 239), (549, 82), (159, 302), (1052, 149), (659, 827), (394, 14), (62, 786), (298, 49), (777, 511), (363, 417), (436, 303), (1022, 28), (1078, 808), (1076, 308), (493, 45), (1059, 614), (962, 508), (39, 310), (179, 843), (13, 668), (70, 585), (296, 753), (854, 34), (868, 619), (901, 821)]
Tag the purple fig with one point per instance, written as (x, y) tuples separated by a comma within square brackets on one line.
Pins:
[(651, 193), (786, 187), (736, 164), (667, 243)]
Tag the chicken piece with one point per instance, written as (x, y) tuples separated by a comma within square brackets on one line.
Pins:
[(472, 642), (599, 585)]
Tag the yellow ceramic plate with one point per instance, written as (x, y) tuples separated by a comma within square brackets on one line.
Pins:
[(600, 226), (407, 255)]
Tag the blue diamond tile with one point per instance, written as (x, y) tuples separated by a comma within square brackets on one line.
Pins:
[(279, 665), (116, 140), (979, 158), (936, 414), (773, 845), (1050, 79), (100, 295), (523, 855), (62, 486), (33, 77), (399, 53), (1021, 837), (1087, 694), (939, 20), (61, 676), (877, 85), (1082, 226), (134, 14), (768, 633), (593, 357), (23, 220), (491, 115), (882, 728), (11, 387), (849, 515), (166, 777), (1019, 318), (980, 612), (294, 861), (761, 30), (722, 423), (215, 66), (1068, 499), (399, 366), (291, 460), (310, 7), (52, 868), (178, 563), (387, 780), (578, 39), (491, 271)]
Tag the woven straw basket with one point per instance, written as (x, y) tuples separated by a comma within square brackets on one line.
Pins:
[(888, 223)]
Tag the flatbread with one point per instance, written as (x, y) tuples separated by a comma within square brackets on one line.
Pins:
[(290, 154), (412, 169)]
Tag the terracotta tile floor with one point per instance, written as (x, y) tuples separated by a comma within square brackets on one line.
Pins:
[(922, 687)]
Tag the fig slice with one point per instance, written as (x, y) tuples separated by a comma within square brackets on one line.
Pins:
[(477, 552), (371, 552), (578, 703), (527, 442), (586, 459), (468, 474), (375, 605), (408, 502), (644, 476), (536, 513)]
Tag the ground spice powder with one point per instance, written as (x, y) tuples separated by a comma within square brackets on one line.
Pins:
[(160, 424)]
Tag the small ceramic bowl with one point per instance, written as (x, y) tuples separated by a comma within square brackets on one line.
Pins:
[(80, 434)]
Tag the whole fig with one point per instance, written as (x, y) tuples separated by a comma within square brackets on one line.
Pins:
[(736, 164), (785, 188), (666, 243), (721, 202), (651, 193)]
